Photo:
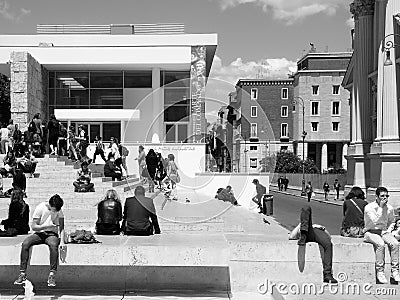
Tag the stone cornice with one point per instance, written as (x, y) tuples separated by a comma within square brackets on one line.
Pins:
[(361, 8)]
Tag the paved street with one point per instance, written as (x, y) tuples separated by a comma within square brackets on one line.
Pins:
[(287, 212)]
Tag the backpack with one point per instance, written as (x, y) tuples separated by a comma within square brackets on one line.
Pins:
[(32, 126)]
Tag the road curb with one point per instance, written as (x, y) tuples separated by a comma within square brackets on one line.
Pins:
[(313, 199)]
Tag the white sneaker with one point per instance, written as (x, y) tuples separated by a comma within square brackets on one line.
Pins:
[(380, 278), (396, 275)]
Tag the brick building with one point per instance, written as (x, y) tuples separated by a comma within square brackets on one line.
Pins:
[(264, 120), (326, 108)]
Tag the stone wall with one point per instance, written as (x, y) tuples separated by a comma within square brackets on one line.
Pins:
[(28, 88)]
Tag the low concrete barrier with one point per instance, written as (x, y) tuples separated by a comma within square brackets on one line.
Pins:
[(231, 262)]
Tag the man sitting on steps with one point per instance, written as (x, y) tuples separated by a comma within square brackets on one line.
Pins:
[(48, 225), (84, 176)]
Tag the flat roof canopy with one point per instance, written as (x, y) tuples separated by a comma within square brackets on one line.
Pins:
[(97, 115)]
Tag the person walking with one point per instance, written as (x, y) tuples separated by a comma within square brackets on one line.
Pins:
[(4, 140), (309, 191), (151, 164), (378, 216), (173, 175), (53, 129), (325, 187), (336, 187), (141, 158), (261, 191)]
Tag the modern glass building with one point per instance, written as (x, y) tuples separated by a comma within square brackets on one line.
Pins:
[(140, 83)]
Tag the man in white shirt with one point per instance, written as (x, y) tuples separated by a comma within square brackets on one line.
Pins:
[(378, 216), (48, 225)]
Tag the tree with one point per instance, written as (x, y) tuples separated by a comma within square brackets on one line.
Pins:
[(5, 102), (287, 162)]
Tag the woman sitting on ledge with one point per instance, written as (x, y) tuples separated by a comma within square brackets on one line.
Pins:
[(109, 214), (18, 213)]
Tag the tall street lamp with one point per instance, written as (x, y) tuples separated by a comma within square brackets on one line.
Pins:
[(389, 45), (300, 101)]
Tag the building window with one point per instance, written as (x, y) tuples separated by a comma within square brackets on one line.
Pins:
[(284, 111), (315, 89), (285, 93), (335, 90), (254, 94), (335, 126), (253, 163), (138, 79), (314, 126), (284, 148), (253, 132), (253, 112), (253, 148), (336, 108), (284, 130), (315, 108)]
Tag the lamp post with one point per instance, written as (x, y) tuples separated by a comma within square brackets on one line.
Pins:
[(299, 100), (387, 46)]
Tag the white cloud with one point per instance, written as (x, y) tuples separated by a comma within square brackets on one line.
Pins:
[(291, 11), (273, 68), (8, 14), (350, 22)]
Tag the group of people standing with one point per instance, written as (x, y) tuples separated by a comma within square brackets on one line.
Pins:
[(158, 171)]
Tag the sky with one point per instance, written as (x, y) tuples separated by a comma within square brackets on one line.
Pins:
[(255, 37)]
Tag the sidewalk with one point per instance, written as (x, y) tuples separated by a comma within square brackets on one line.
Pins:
[(318, 195)]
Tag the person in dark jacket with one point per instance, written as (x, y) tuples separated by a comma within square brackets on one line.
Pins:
[(18, 213), (160, 173), (17, 137), (109, 214), (111, 170), (151, 163), (53, 128), (353, 213), (138, 212)]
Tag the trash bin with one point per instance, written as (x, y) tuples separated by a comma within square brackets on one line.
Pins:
[(268, 205)]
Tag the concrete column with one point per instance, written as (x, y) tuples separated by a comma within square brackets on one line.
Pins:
[(388, 115), (157, 129), (28, 88), (364, 62), (344, 153), (324, 157), (122, 131)]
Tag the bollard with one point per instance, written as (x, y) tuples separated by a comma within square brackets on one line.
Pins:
[(268, 205)]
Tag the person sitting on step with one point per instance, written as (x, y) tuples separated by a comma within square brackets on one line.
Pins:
[(111, 169), (109, 214), (226, 195), (83, 179), (18, 213), (28, 163), (306, 232), (10, 162)]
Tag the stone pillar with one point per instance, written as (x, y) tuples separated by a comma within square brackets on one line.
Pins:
[(344, 153), (28, 89), (324, 157), (157, 128), (363, 11), (388, 114)]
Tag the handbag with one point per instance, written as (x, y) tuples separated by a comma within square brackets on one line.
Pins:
[(145, 173)]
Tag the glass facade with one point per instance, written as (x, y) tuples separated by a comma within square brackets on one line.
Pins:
[(97, 90)]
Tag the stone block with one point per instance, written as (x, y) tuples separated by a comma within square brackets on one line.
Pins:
[(19, 67), (18, 87), (19, 56)]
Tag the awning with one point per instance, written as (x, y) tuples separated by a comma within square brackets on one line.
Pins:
[(97, 115)]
